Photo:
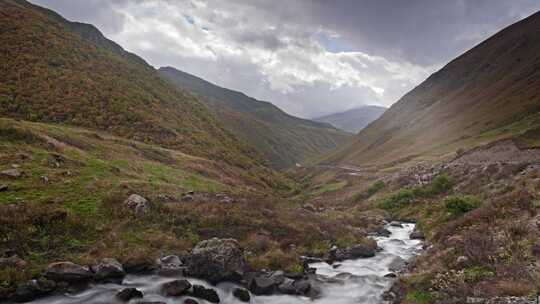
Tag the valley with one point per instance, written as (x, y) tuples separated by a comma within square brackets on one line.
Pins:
[(122, 183)]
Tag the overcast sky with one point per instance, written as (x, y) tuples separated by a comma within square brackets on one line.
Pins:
[(309, 57)]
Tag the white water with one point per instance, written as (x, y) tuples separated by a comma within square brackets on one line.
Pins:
[(365, 285)]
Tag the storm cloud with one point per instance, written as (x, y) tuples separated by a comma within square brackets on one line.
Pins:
[(309, 57)]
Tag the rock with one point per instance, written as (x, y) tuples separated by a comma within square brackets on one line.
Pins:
[(188, 198), (265, 283), (11, 173), (363, 250), (3, 188), (242, 294), (34, 289), (171, 266), (13, 261), (139, 265), (389, 296), (68, 272), (152, 302), (390, 275), (137, 203), (127, 294), (383, 232), (190, 301), (108, 269), (217, 260), (398, 264), (396, 224), (291, 287), (462, 261), (176, 288), (472, 300), (417, 235), (204, 293), (170, 260)]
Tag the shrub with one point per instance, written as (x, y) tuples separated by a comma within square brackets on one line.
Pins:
[(460, 204), (376, 187), (477, 273), (440, 184), (398, 199)]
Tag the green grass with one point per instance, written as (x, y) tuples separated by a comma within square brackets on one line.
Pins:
[(418, 297)]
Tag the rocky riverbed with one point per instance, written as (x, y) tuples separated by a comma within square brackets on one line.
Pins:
[(362, 280)]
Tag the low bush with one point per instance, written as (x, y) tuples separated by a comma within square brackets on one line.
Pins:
[(460, 204), (477, 273), (398, 199), (376, 187)]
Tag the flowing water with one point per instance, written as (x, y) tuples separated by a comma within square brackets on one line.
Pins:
[(354, 281)]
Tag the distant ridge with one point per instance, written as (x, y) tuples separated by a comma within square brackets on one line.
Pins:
[(353, 120), (282, 138)]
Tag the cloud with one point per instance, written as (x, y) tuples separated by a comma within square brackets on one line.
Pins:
[(309, 57)]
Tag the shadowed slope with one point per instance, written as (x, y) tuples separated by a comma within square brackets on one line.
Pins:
[(488, 93), (283, 139)]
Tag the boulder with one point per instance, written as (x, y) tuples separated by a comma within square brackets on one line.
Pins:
[(137, 203), (365, 250), (417, 235), (291, 287), (189, 301), (264, 283), (396, 224), (217, 260), (11, 173), (171, 266), (242, 294), (3, 188), (176, 288), (139, 264), (127, 294), (383, 232), (67, 272), (204, 293), (34, 289), (108, 269)]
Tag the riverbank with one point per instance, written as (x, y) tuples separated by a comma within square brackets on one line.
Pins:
[(348, 281)]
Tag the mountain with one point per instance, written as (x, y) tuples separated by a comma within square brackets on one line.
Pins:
[(63, 72), (353, 120), (283, 139), (491, 92)]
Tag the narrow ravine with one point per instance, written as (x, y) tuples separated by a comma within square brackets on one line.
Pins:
[(353, 281)]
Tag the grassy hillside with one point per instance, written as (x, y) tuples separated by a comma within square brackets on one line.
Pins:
[(68, 203), (61, 72), (283, 139), (353, 120), (488, 93)]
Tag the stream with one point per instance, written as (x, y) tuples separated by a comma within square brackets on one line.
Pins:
[(354, 281)]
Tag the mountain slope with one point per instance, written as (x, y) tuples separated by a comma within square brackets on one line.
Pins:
[(283, 139), (353, 120), (488, 93), (58, 71)]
